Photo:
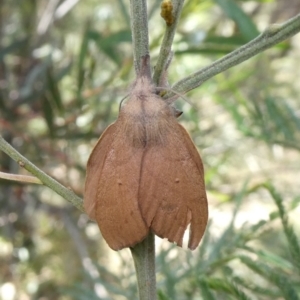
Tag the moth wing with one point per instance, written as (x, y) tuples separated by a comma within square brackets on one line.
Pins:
[(111, 189), (93, 173), (172, 191)]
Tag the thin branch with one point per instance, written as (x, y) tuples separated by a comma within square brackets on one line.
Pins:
[(44, 178), (166, 46), (143, 253), (64, 8), (144, 261), (275, 34), (20, 178), (47, 17), (139, 29)]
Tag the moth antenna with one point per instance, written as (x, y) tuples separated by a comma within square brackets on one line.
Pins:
[(120, 105), (174, 98)]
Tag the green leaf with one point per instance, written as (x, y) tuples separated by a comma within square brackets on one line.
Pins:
[(276, 277), (54, 90), (83, 53), (212, 44), (222, 284), (108, 44), (246, 26), (124, 11), (162, 296), (205, 291), (293, 240), (48, 114)]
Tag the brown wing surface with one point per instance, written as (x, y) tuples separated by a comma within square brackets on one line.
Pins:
[(172, 190), (111, 190)]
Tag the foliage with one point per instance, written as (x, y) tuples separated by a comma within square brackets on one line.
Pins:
[(62, 76), (235, 265)]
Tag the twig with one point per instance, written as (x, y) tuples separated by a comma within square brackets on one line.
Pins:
[(139, 30), (20, 178), (275, 34), (47, 17), (144, 262), (143, 253), (64, 8), (43, 177), (165, 49)]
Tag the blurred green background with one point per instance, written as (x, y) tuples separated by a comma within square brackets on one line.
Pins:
[(64, 67)]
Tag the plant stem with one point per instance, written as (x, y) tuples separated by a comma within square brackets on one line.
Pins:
[(144, 261), (20, 178), (139, 31), (165, 49), (275, 34), (43, 177), (143, 253)]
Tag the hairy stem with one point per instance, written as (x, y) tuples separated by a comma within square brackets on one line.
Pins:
[(43, 177), (144, 261), (165, 49), (143, 253), (275, 34), (139, 31)]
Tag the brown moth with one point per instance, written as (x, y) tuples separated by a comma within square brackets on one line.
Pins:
[(146, 174)]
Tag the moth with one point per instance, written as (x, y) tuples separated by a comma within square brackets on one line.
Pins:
[(146, 174)]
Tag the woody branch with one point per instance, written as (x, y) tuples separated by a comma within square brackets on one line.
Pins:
[(273, 35)]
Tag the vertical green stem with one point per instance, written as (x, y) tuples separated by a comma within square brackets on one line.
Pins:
[(139, 31), (165, 49), (144, 261), (144, 252)]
